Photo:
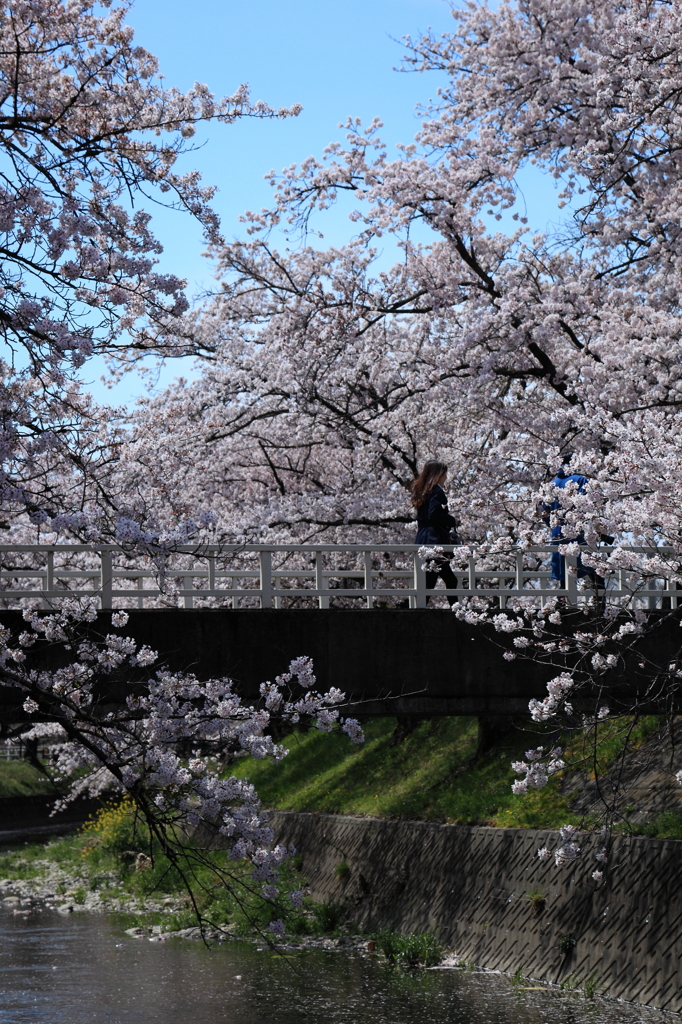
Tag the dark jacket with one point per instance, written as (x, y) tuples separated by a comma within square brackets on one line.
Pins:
[(434, 521)]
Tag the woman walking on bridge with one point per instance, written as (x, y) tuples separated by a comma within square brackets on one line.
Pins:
[(436, 525)]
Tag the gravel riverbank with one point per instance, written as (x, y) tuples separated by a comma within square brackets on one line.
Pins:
[(70, 893)]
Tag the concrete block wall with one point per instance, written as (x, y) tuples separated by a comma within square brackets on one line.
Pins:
[(471, 886)]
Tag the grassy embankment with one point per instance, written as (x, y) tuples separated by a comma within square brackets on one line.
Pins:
[(19, 778), (433, 774)]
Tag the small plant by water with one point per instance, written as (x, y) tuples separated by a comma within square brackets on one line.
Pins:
[(419, 950), (518, 977), (590, 986), (572, 984), (328, 916), (111, 830)]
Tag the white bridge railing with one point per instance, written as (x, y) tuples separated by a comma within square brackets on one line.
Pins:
[(288, 575)]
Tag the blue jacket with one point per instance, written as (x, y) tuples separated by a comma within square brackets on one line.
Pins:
[(557, 560), (560, 480), (433, 519)]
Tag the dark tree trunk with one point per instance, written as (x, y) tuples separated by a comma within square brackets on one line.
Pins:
[(491, 729), (405, 725)]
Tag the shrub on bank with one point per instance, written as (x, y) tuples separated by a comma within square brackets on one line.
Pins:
[(111, 830)]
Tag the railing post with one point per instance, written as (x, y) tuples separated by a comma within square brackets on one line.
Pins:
[(571, 578), (211, 573), (188, 585), (323, 599), (48, 584), (105, 583), (140, 586), (653, 602), (419, 582), (266, 579), (670, 591), (368, 578), (472, 573), (519, 570)]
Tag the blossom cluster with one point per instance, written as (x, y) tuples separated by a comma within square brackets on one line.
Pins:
[(535, 770), (567, 851), (557, 691)]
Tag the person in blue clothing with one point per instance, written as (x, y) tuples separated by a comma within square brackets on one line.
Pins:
[(558, 562), (435, 524)]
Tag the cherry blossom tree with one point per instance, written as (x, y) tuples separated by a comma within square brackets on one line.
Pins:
[(328, 378), (88, 133), (329, 374)]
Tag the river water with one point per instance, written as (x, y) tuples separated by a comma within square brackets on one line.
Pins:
[(83, 969)]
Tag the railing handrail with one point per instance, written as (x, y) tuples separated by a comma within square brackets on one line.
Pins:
[(264, 575), (199, 549)]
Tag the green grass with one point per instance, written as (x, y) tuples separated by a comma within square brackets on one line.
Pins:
[(667, 825), (432, 774), (418, 950), (19, 778)]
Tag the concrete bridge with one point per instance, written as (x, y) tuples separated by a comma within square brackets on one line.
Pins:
[(358, 611), (395, 662)]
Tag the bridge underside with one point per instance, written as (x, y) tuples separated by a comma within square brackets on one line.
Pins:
[(390, 662)]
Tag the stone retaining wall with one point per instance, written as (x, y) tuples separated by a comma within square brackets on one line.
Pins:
[(471, 886)]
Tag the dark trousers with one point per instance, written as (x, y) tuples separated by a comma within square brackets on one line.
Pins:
[(448, 577)]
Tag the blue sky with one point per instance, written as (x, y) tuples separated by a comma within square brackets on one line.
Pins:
[(336, 59)]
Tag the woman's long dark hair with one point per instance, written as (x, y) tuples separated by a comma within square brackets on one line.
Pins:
[(426, 481)]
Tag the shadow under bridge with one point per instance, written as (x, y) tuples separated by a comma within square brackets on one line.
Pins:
[(422, 662)]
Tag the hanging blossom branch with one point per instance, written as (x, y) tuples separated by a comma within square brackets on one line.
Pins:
[(615, 660), (156, 737)]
